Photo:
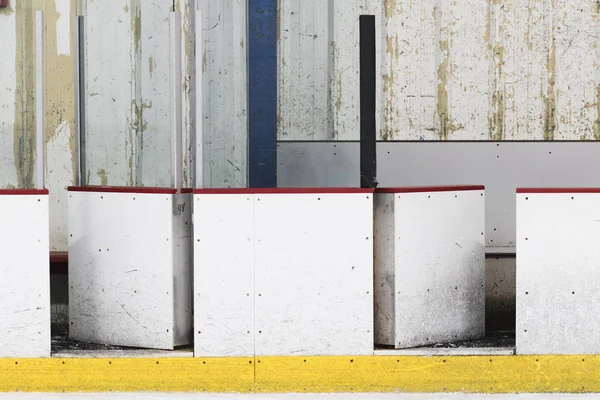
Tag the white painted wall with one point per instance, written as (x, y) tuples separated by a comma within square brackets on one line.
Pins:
[(523, 69), (128, 103), (456, 70), (128, 79), (8, 83)]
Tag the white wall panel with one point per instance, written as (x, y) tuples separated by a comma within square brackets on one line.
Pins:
[(430, 266), (501, 167), (24, 276), (272, 282), (224, 275), (557, 272), (123, 248), (314, 274)]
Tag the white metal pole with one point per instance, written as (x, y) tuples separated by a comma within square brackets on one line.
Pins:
[(39, 103), (199, 179), (176, 113), (79, 105)]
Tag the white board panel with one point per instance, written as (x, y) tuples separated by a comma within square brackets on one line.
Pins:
[(224, 275), (121, 272), (314, 274), (24, 276), (437, 268), (557, 273)]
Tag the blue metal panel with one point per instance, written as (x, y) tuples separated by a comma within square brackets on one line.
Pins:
[(262, 93)]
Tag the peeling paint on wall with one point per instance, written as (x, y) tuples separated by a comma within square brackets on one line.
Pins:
[(8, 83), (390, 8), (442, 94), (597, 122), (450, 70), (25, 118), (18, 131), (550, 97), (514, 70)]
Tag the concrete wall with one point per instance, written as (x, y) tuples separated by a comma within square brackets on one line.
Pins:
[(523, 69), (448, 69), (127, 61), (17, 102)]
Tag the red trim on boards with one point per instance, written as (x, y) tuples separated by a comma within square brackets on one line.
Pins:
[(23, 192), (121, 189), (558, 190), (284, 191), (424, 189), (59, 257)]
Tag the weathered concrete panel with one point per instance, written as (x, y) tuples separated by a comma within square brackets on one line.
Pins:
[(8, 85), (128, 104), (17, 103), (112, 124), (153, 93), (225, 124), (448, 70)]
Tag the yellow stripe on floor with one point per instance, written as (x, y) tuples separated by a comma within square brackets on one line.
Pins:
[(127, 375), (475, 374)]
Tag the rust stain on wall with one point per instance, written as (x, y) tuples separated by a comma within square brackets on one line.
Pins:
[(596, 8), (338, 92), (488, 27), (59, 89), (389, 8), (103, 177), (392, 50), (497, 128), (597, 122), (550, 97), (188, 49), (136, 26), (151, 65), (25, 118), (134, 141), (442, 90), (59, 113), (530, 23), (60, 103)]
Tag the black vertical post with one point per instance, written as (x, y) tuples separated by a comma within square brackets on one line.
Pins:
[(368, 127)]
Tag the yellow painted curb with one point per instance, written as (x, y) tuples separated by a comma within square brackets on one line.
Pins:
[(476, 374), (127, 375)]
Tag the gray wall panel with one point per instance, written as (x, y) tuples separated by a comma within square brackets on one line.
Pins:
[(501, 167)]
